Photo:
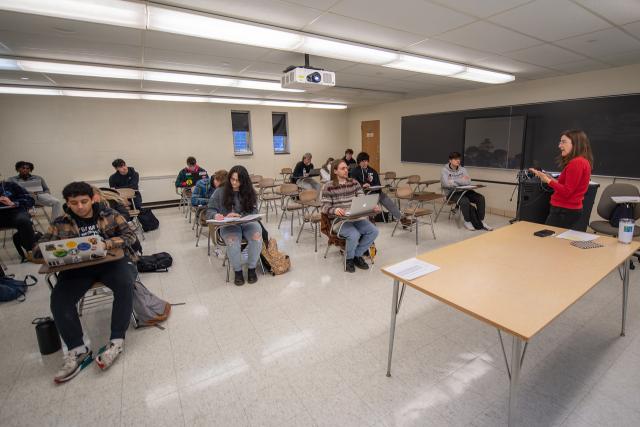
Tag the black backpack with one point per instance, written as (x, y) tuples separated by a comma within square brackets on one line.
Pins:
[(474, 218), (621, 211), (12, 289), (148, 220), (159, 262)]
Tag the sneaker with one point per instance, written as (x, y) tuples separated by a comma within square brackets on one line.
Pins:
[(469, 226), (360, 263), (73, 363), (252, 277), (239, 279), (108, 354), (350, 267), (487, 226)]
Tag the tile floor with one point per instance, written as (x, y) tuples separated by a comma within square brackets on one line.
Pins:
[(309, 348)]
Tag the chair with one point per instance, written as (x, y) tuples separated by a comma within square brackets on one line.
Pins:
[(129, 195), (606, 206), (414, 210), (185, 197), (289, 194), (200, 222), (311, 213), (225, 262), (451, 199), (414, 182), (286, 174), (331, 229), (267, 195)]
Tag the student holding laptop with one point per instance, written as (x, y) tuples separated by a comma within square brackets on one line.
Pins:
[(85, 218), (38, 188), (337, 196)]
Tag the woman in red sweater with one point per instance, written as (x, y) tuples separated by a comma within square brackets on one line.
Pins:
[(576, 161)]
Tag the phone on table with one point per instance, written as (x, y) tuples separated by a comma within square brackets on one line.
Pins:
[(544, 233)]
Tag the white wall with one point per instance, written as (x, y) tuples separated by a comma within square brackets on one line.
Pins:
[(623, 80), (78, 138)]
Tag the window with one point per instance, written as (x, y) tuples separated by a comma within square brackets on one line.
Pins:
[(280, 138), (241, 133)]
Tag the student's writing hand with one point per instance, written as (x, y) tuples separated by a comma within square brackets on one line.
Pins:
[(6, 201), (376, 209), (366, 185), (218, 217), (233, 215), (340, 212)]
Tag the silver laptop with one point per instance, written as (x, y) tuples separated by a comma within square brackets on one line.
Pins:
[(72, 251), (363, 204)]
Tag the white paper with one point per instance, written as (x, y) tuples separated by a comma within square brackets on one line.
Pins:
[(625, 199), (577, 236), (465, 187), (242, 219), (411, 269)]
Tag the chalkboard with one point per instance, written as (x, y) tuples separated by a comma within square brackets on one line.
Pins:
[(612, 124)]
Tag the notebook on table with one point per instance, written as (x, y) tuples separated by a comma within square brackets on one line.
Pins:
[(72, 251)]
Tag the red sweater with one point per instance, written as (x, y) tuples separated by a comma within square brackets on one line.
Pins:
[(569, 189)]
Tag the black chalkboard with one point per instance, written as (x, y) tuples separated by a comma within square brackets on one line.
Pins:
[(612, 124)]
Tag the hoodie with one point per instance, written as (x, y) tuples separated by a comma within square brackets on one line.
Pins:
[(452, 178)]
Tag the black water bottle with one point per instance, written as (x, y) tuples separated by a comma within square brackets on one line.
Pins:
[(47, 335)]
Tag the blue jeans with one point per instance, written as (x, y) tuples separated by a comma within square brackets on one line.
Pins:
[(232, 236), (359, 235)]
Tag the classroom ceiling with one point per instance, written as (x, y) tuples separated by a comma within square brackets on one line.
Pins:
[(530, 39)]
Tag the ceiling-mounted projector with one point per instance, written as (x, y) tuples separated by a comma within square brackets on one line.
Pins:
[(308, 79)]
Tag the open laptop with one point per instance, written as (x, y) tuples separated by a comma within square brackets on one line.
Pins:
[(72, 251), (314, 172), (362, 204)]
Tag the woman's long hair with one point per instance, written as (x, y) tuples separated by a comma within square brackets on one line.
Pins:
[(247, 194), (327, 164), (581, 147), (334, 166)]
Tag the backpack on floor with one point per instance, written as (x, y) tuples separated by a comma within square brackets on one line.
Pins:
[(148, 309), (12, 289), (623, 210), (148, 220), (159, 262), (474, 218), (274, 261)]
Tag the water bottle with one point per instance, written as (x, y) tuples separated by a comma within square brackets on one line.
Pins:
[(47, 335), (625, 230)]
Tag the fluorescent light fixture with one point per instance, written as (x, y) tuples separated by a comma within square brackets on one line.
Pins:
[(284, 104), (235, 101), (425, 65), (8, 64), (327, 106), (100, 94), (196, 79), (346, 51), (112, 12), (175, 98), (29, 91), (79, 70), (209, 27), (484, 76)]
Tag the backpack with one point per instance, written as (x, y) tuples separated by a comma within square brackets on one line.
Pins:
[(148, 309), (159, 262), (148, 220), (621, 211), (474, 218), (274, 261), (12, 289)]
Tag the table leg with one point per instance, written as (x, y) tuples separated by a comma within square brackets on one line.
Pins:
[(392, 329), (516, 363), (625, 294)]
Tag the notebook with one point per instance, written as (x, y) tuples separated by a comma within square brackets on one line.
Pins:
[(72, 251)]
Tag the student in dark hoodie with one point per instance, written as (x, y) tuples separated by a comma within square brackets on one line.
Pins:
[(125, 177), (15, 203), (189, 176)]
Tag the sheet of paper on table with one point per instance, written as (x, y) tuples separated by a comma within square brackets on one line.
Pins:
[(411, 268), (239, 220), (577, 236)]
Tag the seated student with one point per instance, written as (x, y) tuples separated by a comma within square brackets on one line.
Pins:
[(325, 170), (348, 158), (302, 168), (44, 198), (336, 199), (15, 203), (454, 175), (368, 177), (237, 198), (84, 217), (125, 177), (111, 199), (202, 192), (190, 175)]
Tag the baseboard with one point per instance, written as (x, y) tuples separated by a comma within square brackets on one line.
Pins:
[(161, 204)]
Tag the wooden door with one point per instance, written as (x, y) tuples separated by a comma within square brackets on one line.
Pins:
[(371, 142)]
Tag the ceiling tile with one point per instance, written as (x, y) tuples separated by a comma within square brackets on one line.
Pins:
[(316, 4), (601, 43), (96, 83), (415, 16), (482, 8), (377, 71), (197, 63), (4, 49), (15, 77), (177, 88), (624, 58), (445, 50), (581, 66), (273, 12), (332, 25), (550, 20), (618, 11), (501, 63), (264, 70), (294, 58), (545, 55), (358, 81), (486, 36), (633, 28)]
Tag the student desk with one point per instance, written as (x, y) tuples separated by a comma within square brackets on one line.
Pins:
[(112, 255), (509, 290), (457, 192)]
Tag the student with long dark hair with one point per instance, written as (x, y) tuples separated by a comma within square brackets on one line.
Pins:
[(237, 198), (576, 161)]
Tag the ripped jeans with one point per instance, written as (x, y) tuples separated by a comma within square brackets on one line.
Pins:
[(232, 236)]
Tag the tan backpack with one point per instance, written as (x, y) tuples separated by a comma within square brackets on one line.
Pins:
[(273, 260)]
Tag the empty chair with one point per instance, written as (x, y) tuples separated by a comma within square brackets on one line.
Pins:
[(286, 174), (129, 195), (413, 211), (267, 196), (289, 202), (606, 206), (311, 213)]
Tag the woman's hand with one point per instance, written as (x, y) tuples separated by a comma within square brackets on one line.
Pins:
[(233, 215), (543, 176), (219, 217)]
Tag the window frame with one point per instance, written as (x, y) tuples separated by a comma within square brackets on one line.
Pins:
[(287, 141), (249, 151)]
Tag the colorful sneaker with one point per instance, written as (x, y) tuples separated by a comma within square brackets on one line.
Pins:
[(73, 364), (108, 354)]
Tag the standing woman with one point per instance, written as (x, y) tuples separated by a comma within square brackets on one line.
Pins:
[(237, 198), (576, 160)]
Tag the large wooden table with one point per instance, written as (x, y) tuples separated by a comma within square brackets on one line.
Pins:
[(516, 282)]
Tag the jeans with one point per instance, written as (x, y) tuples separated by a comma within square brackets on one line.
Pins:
[(471, 197), (232, 236), (46, 199), (359, 235), (390, 205), (561, 217), (20, 219), (119, 276)]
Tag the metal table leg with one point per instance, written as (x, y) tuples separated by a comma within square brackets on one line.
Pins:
[(395, 308), (516, 363), (625, 294)]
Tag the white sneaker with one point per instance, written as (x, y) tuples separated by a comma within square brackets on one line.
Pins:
[(73, 364), (108, 354), (469, 226), (487, 226)]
